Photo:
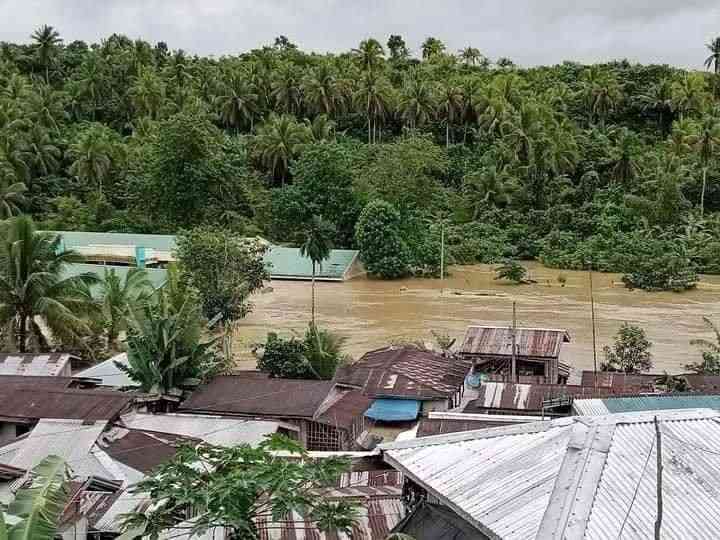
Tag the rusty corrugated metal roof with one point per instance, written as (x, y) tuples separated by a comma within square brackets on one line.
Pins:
[(497, 341), (349, 407), (527, 397), (142, 450), (405, 372), (22, 399), (619, 381), (252, 393)]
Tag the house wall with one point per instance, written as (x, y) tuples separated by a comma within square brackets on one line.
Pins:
[(7, 432), (434, 405)]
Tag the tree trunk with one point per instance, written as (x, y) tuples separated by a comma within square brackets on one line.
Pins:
[(702, 194), (312, 302), (447, 134), (22, 334)]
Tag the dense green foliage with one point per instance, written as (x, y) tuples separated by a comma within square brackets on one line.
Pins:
[(317, 356), (235, 488), (576, 165), (379, 238), (630, 353), (224, 267)]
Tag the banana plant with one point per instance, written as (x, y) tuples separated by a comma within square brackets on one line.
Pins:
[(35, 512)]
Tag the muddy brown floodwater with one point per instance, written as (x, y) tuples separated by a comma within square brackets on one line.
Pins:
[(372, 313)]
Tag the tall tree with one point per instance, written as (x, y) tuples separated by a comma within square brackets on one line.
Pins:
[(706, 143), (238, 101), (317, 247), (12, 198), (35, 291), (432, 47), (713, 61), (417, 100), (470, 55), (374, 95), (450, 102), (369, 54), (397, 47), (278, 142), (47, 44), (323, 91), (92, 154)]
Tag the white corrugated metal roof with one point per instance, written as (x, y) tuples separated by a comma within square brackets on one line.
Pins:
[(218, 430), (109, 373), (589, 407), (71, 440), (575, 477)]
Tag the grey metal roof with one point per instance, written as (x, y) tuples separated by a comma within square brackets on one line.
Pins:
[(71, 440), (588, 407), (109, 373), (51, 364), (217, 430), (287, 263), (574, 478), (75, 239)]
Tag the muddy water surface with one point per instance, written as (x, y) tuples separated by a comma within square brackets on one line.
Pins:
[(373, 313)]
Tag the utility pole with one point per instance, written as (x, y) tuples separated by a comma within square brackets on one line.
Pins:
[(442, 256), (513, 357), (658, 443), (594, 340)]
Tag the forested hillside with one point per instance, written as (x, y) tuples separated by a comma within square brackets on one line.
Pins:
[(611, 166)]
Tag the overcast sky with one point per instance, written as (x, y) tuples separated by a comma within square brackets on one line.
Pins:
[(528, 31)]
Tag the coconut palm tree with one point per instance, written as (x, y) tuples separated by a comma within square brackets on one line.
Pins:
[(36, 509), (278, 141), (321, 129), (374, 95), (432, 47), (490, 185), (35, 292), (47, 42), (147, 93), (689, 94), (470, 55), (286, 89), (317, 247), (626, 168), (44, 156), (238, 102), (659, 100), (369, 54), (92, 157), (706, 143), (117, 296), (603, 94), (450, 103), (713, 61), (12, 198), (322, 90), (417, 101)]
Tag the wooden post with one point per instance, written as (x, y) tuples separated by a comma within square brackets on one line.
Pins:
[(594, 340), (658, 443), (513, 358), (442, 255)]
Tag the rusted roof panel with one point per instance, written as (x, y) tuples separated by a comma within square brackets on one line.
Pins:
[(405, 372), (141, 450), (50, 364), (343, 412), (440, 426), (22, 400), (252, 393), (527, 397), (629, 382), (497, 341)]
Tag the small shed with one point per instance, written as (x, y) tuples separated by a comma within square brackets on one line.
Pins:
[(537, 353)]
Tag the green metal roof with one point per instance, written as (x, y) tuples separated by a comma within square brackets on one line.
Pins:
[(654, 403), (160, 242), (157, 276), (287, 263)]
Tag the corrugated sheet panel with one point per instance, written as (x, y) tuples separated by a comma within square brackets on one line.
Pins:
[(71, 440), (73, 239), (589, 407), (287, 263), (109, 373), (656, 403), (211, 429), (529, 397), (46, 365), (691, 482), (21, 399), (497, 340), (157, 276), (502, 482)]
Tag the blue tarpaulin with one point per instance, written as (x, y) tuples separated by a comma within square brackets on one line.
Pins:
[(393, 410)]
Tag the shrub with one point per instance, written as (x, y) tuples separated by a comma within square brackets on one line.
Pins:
[(511, 271), (382, 248), (630, 353)]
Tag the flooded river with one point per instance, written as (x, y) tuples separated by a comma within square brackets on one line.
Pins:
[(372, 313)]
